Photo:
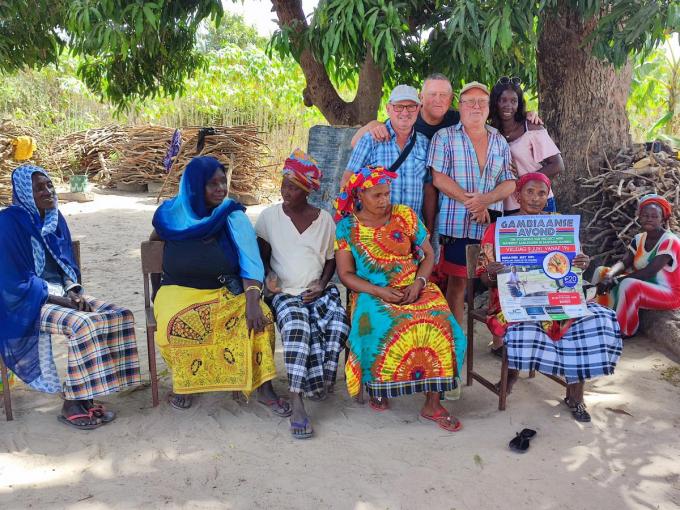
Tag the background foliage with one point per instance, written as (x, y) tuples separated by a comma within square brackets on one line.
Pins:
[(239, 84)]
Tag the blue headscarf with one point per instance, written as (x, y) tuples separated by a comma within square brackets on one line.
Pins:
[(25, 240), (186, 217)]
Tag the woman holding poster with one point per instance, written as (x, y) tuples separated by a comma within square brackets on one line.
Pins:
[(577, 349)]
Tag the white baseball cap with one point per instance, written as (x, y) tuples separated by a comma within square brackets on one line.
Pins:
[(404, 93)]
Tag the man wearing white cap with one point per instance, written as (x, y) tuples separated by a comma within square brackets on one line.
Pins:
[(470, 165), (404, 152)]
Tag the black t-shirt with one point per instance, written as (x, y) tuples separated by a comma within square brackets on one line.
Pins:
[(199, 264), (451, 118)]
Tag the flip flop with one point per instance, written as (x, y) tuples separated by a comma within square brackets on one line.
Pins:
[(279, 407), (376, 402), (294, 425), (98, 411), (173, 403), (318, 396), (71, 420), (528, 433), (519, 444), (444, 420)]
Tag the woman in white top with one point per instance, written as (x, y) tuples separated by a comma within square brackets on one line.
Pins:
[(296, 243)]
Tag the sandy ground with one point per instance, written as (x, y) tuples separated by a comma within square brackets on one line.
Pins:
[(222, 454)]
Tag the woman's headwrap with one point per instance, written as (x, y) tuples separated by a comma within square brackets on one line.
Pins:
[(187, 217), (658, 200), (302, 170), (532, 176), (363, 178)]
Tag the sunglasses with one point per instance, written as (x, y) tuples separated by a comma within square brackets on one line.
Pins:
[(504, 80)]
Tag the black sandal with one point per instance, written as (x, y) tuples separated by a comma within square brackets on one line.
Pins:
[(580, 413)]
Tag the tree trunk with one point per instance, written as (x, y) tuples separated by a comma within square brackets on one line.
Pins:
[(581, 99), (320, 91)]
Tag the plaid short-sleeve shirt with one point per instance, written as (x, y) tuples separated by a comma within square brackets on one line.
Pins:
[(452, 153), (413, 174)]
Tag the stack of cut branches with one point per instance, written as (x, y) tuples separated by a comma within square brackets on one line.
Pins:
[(239, 148), (8, 132), (613, 194), (88, 152)]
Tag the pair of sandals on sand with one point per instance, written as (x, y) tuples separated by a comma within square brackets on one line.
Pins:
[(90, 416)]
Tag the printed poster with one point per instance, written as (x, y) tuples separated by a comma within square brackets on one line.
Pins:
[(539, 282)]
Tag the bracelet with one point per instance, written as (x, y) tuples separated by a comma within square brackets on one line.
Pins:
[(254, 287), (424, 280), (488, 275)]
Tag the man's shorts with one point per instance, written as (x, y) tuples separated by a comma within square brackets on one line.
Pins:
[(455, 263)]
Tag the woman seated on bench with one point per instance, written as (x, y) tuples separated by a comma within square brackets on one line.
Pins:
[(576, 349), (651, 275), (41, 296), (213, 331)]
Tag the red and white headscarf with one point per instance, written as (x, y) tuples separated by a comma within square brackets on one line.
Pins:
[(659, 201), (302, 170)]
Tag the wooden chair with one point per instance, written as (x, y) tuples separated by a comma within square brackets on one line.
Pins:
[(152, 268), (479, 314), (4, 375), (152, 258)]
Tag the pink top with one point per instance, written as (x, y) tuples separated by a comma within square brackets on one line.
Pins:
[(527, 152)]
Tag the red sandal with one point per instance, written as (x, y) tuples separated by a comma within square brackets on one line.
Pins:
[(71, 420), (444, 420)]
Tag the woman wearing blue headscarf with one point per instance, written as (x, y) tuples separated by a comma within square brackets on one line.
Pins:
[(213, 330), (40, 296)]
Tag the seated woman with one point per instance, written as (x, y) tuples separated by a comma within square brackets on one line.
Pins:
[(296, 243), (213, 330), (404, 338), (41, 297), (651, 274), (530, 144), (576, 349)]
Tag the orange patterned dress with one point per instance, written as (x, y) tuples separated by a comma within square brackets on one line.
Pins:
[(397, 349)]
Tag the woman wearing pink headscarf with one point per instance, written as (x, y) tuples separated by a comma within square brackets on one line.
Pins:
[(576, 349)]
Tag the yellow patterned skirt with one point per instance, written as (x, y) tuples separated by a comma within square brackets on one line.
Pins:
[(203, 337)]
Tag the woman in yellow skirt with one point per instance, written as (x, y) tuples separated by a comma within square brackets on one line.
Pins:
[(213, 330)]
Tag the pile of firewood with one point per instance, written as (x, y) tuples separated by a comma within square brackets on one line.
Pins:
[(88, 152), (613, 194), (8, 132), (239, 148)]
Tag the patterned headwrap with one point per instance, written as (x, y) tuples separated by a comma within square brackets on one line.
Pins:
[(22, 196), (658, 200), (532, 176), (302, 170), (363, 178)]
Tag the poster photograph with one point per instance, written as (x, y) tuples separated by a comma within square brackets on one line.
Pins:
[(539, 281)]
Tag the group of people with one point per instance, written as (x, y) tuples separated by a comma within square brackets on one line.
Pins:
[(418, 190)]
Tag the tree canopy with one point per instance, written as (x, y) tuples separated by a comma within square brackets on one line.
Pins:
[(468, 39), (134, 49), (129, 48)]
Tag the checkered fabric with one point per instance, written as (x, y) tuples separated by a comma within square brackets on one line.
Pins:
[(102, 349), (452, 153), (313, 336), (590, 348), (413, 174)]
